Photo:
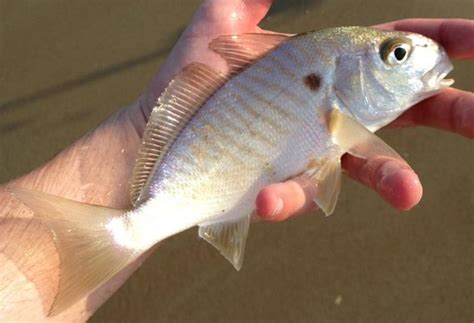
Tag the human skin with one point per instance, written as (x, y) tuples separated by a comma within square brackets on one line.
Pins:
[(95, 170)]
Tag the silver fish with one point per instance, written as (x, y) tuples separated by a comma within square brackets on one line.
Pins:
[(290, 106)]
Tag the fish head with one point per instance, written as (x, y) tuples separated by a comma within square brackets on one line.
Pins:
[(389, 74)]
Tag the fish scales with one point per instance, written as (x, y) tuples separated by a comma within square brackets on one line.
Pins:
[(256, 106), (291, 106)]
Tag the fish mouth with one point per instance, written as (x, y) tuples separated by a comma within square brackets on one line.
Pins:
[(441, 80), (435, 79), (444, 82)]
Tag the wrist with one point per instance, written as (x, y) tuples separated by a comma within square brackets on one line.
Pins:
[(95, 169)]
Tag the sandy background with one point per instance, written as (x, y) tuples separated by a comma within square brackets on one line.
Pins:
[(67, 65)]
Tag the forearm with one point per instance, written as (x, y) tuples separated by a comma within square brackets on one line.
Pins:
[(28, 258)]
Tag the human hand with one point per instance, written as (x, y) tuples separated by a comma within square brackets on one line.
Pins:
[(394, 180), (77, 174), (96, 169)]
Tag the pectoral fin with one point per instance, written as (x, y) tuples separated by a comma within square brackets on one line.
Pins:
[(348, 136), (354, 138), (228, 238)]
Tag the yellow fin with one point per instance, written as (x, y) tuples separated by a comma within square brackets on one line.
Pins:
[(354, 138), (87, 252), (176, 106), (242, 50), (228, 238), (348, 136), (325, 176)]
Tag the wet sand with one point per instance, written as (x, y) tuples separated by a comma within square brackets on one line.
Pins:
[(65, 66)]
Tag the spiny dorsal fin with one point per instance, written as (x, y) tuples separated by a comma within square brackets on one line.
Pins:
[(176, 106), (186, 94), (229, 238), (242, 50)]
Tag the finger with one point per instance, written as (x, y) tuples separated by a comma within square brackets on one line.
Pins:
[(212, 19), (278, 202), (451, 110), (455, 35), (230, 16), (392, 179)]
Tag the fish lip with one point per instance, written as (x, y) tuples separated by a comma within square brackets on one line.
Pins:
[(435, 79), (446, 68)]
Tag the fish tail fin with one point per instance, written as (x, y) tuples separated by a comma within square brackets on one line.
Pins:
[(88, 253)]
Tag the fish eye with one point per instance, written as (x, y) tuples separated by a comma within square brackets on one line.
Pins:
[(395, 51)]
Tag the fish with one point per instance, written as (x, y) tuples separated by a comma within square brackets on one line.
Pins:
[(290, 105)]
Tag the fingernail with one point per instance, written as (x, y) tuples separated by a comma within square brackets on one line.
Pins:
[(278, 208)]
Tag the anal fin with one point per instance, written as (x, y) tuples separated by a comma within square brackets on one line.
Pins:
[(325, 178), (229, 238)]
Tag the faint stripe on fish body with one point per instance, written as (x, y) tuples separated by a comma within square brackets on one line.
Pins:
[(246, 113), (225, 139), (279, 89), (236, 112), (265, 102), (243, 105), (299, 47), (225, 151), (242, 147), (257, 76), (228, 123), (223, 119), (282, 66), (234, 118), (186, 159), (212, 153)]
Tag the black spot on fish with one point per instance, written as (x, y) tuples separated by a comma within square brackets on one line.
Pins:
[(312, 81)]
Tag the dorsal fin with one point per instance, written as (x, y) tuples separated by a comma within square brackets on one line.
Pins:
[(242, 50), (186, 94), (175, 107)]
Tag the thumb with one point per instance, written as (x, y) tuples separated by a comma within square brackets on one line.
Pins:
[(212, 19), (230, 16)]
